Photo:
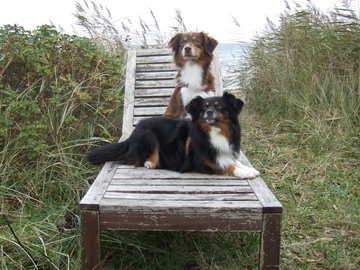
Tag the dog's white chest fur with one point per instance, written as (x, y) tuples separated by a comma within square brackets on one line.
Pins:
[(225, 155), (191, 75)]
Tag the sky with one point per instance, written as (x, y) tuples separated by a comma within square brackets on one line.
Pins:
[(215, 18)]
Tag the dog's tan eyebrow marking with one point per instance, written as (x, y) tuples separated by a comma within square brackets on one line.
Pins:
[(185, 38), (207, 103), (217, 103), (194, 37)]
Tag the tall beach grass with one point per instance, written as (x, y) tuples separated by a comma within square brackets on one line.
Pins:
[(302, 83), (307, 69)]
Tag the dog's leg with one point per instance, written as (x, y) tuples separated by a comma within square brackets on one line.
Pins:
[(245, 170), (241, 171), (153, 161)]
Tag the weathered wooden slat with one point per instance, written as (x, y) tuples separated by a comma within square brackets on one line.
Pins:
[(137, 119), (154, 92), (142, 111), (182, 197), (262, 191), (156, 67), (131, 172), (235, 220), (170, 75), (181, 206), (93, 196), (151, 102), (215, 68), (154, 59), (157, 84), (127, 181), (128, 110), (151, 52), (181, 189)]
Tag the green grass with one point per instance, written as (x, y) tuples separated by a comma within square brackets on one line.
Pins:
[(302, 132), (180, 250), (318, 189)]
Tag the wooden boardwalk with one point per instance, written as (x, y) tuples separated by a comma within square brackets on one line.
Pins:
[(127, 198)]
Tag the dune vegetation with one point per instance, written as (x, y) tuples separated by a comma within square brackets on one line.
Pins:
[(60, 95)]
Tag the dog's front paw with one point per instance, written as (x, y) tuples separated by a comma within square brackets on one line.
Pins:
[(149, 164), (253, 173), (246, 173)]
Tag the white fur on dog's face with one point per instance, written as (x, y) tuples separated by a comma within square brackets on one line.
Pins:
[(191, 46), (189, 53)]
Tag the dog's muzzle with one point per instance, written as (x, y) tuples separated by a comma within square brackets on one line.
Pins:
[(210, 116)]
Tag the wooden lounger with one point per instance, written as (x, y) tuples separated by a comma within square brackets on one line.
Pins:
[(127, 198)]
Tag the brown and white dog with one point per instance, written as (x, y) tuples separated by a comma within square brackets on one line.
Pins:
[(193, 53)]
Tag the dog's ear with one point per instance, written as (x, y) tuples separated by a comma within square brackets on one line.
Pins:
[(174, 42), (236, 103), (209, 44), (194, 107)]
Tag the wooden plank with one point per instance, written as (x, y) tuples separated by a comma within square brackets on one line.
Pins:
[(93, 196), (231, 221), (174, 182), (154, 52), (170, 75), (156, 84), (154, 59), (181, 197), (215, 69), (137, 119), (156, 67), (153, 111), (182, 189), (131, 172), (151, 102), (128, 110), (107, 204), (154, 92), (262, 191)]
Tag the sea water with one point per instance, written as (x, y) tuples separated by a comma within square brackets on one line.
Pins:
[(231, 58)]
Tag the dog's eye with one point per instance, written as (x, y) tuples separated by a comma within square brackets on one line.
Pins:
[(197, 42), (218, 107)]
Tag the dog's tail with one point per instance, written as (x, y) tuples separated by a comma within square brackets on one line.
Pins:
[(109, 152)]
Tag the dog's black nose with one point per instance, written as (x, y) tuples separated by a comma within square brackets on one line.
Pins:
[(209, 113), (187, 49)]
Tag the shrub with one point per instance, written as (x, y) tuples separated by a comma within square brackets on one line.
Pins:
[(58, 93), (51, 85)]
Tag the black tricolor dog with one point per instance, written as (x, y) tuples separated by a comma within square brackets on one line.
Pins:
[(209, 143)]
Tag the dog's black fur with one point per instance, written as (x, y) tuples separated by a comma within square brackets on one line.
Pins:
[(166, 134), (209, 143)]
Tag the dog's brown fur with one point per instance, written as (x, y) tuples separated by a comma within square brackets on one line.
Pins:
[(195, 48)]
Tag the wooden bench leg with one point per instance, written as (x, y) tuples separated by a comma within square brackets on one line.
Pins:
[(270, 242), (90, 240)]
